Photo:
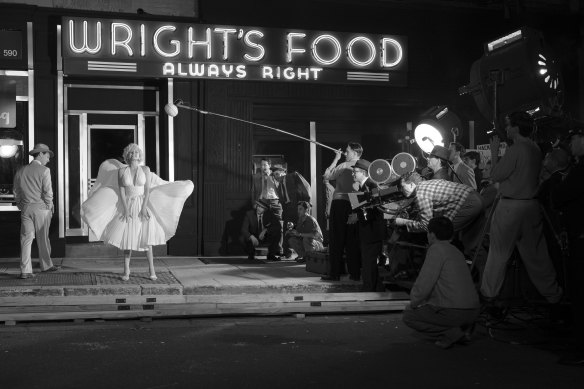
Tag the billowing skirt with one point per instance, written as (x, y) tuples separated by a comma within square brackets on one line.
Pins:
[(103, 212), (134, 233)]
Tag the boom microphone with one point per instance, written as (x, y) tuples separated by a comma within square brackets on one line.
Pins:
[(171, 110)]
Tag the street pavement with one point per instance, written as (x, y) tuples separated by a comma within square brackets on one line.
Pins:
[(322, 351)]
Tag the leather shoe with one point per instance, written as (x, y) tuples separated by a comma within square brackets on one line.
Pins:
[(24, 276), (330, 278), (52, 268)]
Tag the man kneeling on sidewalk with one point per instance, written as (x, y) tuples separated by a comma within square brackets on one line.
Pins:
[(443, 301)]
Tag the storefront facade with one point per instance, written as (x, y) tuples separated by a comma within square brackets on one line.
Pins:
[(89, 85)]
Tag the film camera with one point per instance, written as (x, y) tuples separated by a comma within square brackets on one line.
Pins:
[(387, 197)]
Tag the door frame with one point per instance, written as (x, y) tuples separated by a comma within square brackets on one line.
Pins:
[(84, 144)]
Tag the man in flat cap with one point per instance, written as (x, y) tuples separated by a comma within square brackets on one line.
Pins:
[(34, 198)]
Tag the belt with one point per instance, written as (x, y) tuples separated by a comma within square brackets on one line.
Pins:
[(511, 198)]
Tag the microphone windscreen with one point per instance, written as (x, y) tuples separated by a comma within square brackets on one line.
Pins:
[(171, 109)]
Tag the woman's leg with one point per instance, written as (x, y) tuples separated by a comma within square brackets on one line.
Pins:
[(127, 257), (150, 257)]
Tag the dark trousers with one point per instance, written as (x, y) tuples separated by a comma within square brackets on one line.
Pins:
[(370, 274), (289, 215), (341, 237), (437, 322), (276, 209)]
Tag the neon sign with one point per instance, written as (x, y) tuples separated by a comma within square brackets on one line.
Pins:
[(158, 49)]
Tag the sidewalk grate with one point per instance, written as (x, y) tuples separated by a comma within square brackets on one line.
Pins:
[(61, 279), (135, 279), (47, 279)]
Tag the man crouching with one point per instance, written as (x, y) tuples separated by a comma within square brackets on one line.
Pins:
[(443, 301)]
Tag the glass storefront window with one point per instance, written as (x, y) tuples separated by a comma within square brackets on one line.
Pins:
[(12, 157)]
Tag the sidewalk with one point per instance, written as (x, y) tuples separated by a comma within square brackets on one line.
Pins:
[(92, 289), (176, 276)]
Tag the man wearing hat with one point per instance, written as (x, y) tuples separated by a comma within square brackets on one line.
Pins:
[(34, 198), (438, 163), (371, 230), (259, 227), (293, 188), (461, 171)]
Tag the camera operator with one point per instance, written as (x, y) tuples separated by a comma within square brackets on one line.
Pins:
[(458, 202), (567, 197), (371, 230)]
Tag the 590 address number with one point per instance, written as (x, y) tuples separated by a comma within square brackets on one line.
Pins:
[(10, 53)]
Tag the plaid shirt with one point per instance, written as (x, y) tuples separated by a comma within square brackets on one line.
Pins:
[(437, 198)]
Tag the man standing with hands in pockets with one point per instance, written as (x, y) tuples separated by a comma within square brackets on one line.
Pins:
[(34, 198)]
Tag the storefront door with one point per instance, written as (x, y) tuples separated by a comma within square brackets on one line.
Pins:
[(88, 146)]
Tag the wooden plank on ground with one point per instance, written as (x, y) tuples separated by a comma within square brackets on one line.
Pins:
[(177, 299), (208, 309)]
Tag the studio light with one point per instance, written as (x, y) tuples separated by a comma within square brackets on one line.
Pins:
[(435, 124), (517, 73)]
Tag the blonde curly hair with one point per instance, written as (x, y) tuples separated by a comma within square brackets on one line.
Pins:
[(130, 149)]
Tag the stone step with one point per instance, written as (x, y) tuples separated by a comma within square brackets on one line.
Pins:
[(102, 250)]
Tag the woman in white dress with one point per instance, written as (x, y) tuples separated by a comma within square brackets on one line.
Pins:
[(133, 209)]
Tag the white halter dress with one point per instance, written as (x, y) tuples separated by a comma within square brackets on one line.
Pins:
[(103, 210)]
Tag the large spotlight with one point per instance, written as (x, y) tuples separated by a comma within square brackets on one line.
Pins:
[(516, 73), (435, 124)]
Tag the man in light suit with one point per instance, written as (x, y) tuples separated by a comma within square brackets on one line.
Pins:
[(464, 173), (34, 198)]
